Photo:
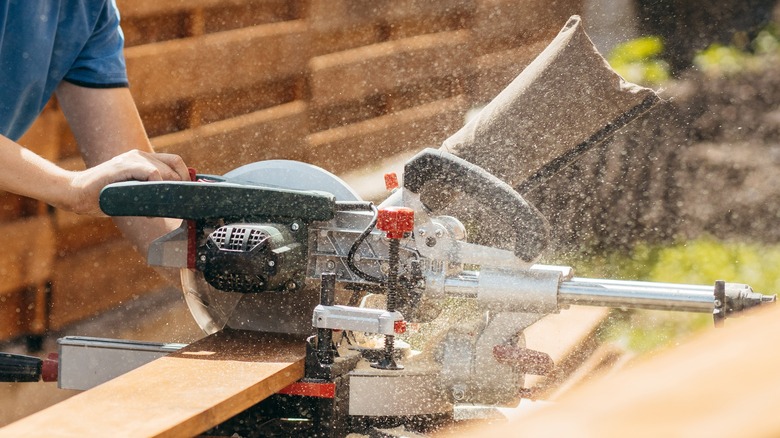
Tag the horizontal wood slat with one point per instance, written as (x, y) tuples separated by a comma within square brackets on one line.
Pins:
[(13, 322), (136, 8), (503, 24), (190, 67), (386, 66), (28, 253), (96, 279), (362, 143), (494, 71), (222, 146), (340, 13)]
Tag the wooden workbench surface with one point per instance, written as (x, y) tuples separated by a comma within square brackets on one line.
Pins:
[(182, 394)]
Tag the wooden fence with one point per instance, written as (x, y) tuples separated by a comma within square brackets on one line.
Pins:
[(336, 83)]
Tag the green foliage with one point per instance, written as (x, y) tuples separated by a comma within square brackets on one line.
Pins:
[(638, 60), (728, 60), (705, 260), (718, 58), (767, 42), (702, 261)]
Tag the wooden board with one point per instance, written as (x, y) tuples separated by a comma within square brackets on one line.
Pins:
[(496, 70), (164, 72), (569, 338), (503, 24), (183, 394), (359, 144), (28, 253), (97, 278), (721, 383), (384, 67), (222, 146), (136, 8)]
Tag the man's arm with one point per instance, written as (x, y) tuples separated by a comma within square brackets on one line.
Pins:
[(115, 147)]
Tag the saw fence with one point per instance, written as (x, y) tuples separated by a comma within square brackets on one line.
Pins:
[(227, 82)]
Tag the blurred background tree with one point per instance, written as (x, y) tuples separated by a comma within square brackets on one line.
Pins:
[(687, 27)]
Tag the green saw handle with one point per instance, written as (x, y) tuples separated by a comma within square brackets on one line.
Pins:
[(442, 173), (214, 200)]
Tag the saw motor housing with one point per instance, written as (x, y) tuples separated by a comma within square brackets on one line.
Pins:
[(251, 258)]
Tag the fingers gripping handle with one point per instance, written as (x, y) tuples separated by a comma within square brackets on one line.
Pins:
[(442, 173)]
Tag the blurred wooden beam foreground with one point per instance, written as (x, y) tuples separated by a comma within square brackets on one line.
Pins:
[(723, 383)]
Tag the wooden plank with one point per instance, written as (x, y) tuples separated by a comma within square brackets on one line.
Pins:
[(182, 394), (28, 253), (349, 147), (338, 25), (330, 14), (39, 138), (719, 383), (426, 91), (330, 40), (13, 206), (227, 104), (12, 315), (97, 278), (406, 18), (148, 22), (334, 14), (138, 8), (234, 16), (569, 338), (76, 232), (494, 71), (504, 24), (402, 10), (355, 74), (222, 146), (155, 28), (172, 70)]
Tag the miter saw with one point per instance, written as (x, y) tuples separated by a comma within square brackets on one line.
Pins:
[(283, 246), (286, 247)]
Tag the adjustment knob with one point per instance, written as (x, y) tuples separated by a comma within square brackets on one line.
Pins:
[(395, 221), (391, 181)]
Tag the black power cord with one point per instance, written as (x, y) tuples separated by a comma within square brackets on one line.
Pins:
[(358, 242)]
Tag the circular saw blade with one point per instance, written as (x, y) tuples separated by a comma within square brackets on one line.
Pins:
[(215, 309)]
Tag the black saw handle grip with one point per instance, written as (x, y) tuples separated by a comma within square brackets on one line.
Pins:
[(443, 173), (214, 200), (19, 368)]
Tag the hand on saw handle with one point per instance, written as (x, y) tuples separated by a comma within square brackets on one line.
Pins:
[(134, 165), (28, 174)]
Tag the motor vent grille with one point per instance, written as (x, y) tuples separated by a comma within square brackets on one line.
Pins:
[(232, 238)]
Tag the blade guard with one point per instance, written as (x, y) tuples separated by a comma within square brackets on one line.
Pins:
[(435, 175)]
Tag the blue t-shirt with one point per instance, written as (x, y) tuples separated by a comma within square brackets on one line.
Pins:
[(43, 42)]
